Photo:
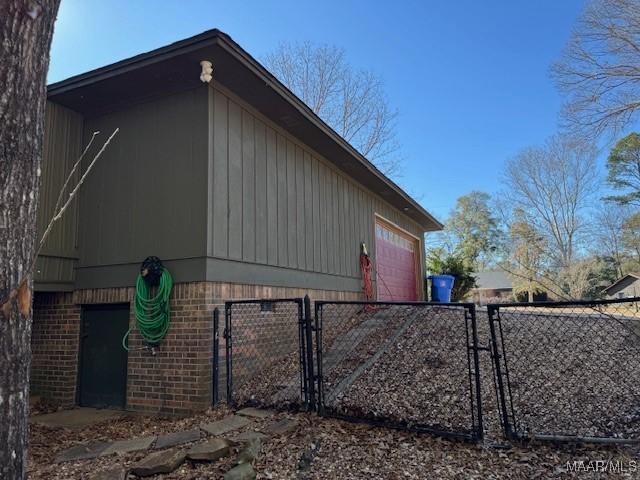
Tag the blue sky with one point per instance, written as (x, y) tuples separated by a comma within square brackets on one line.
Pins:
[(470, 79)]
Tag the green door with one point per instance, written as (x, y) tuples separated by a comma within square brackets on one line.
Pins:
[(103, 361)]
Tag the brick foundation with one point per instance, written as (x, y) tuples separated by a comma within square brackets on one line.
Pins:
[(177, 379), (54, 347)]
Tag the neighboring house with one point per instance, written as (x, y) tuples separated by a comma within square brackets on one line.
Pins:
[(626, 286), (492, 286), (237, 186)]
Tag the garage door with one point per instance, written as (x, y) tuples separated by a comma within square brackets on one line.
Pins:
[(395, 264)]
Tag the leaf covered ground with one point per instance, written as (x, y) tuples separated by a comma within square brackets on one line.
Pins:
[(324, 448)]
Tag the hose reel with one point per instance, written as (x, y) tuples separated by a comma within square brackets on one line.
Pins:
[(152, 312)]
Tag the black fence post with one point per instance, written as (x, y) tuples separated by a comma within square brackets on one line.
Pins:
[(309, 339), (491, 311), (302, 352), (228, 351), (318, 329), (216, 354), (476, 367)]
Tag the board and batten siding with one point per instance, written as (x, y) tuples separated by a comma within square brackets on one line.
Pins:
[(62, 148), (147, 194), (275, 202)]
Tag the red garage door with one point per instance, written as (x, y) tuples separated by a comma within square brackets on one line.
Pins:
[(395, 264)]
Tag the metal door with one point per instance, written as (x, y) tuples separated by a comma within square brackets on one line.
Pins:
[(102, 378)]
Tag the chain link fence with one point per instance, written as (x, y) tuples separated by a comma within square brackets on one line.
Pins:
[(568, 370), (404, 365), (266, 353)]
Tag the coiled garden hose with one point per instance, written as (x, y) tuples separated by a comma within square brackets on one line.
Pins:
[(152, 314)]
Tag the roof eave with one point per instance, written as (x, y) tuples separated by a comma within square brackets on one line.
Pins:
[(613, 285), (432, 223), (215, 37)]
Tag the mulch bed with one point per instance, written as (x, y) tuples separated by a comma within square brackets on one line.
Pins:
[(573, 373), (421, 379)]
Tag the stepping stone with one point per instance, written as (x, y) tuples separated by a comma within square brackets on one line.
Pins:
[(126, 446), (245, 437), (114, 473), (227, 424), (159, 462), (209, 451), (254, 412), (244, 471), (281, 427), (177, 438), (82, 452), (250, 451), (76, 417)]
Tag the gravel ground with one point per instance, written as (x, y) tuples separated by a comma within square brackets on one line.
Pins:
[(327, 449)]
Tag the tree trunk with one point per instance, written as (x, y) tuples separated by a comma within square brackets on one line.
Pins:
[(26, 28)]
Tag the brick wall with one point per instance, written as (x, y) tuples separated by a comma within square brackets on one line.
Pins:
[(273, 329), (54, 347), (177, 379)]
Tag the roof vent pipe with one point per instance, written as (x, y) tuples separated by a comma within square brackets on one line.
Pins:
[(207, 71)]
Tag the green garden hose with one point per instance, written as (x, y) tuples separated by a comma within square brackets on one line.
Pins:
[(152, 314)]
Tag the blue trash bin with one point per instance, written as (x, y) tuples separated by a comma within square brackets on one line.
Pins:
[(441, 286)]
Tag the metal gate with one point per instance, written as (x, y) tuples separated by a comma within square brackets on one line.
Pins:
[(412, 366), (568, 371), (267, 346)]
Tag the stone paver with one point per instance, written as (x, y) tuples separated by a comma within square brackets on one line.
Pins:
[(76, 417), (227, 424), (255, 412), (244, 471), (209, 451), (159, 462), (177, 438), (281, 427), (250, 451), (245, 437), (131, 445), (82, 452), (113, 473)]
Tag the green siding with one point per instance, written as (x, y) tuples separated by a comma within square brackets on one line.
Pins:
[(147, 194), (62, 148), (212, 187), (287, 206)]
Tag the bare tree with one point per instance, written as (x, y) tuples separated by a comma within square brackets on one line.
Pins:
[(608, 228), (527, 253), (553, 185), (577, 280), (351, 101), (26, 29), (600, 68)]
